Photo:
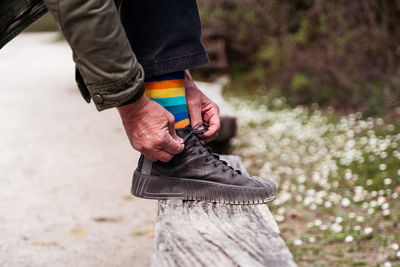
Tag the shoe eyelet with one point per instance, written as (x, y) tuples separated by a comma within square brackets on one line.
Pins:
[(206, 160), (215, 165), (223, 170)]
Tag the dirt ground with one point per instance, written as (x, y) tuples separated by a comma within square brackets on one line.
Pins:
[(65, 169)]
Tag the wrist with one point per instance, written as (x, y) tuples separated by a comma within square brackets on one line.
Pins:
[(136, 106), (133, 99)]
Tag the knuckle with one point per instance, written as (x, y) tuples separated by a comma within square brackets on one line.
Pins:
[(137, 145), (158, 140)]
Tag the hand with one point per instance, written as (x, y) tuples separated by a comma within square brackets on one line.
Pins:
[(201, 109), (150, 129)]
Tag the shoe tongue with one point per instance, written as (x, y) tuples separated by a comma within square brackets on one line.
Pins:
[(182, 132)]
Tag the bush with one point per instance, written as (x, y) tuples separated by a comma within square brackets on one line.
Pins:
[(340, 53)]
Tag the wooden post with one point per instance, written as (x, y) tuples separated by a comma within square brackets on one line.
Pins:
[(193, 233)]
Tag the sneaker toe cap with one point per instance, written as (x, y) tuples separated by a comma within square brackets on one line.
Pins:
[(270, 185)]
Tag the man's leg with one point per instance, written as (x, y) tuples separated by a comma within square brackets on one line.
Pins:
[(168, 90), (165, 36)]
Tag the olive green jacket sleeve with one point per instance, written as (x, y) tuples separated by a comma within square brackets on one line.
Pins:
[(107, 70)]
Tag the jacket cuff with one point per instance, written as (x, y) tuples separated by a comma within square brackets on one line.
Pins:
[(116, 93)]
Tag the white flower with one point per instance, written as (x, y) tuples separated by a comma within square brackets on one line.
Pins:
[(368, 230), (387, 264), (370, 211), (382, 167), (301, 179), (347, 174), (385, 206), (317, 222), (308, 200), (327, 204), (369, 182), (352, 215), (394, 246), (357, 228), (297, 242), (338, 220), (398, 254), (345, 202), (348, 239), (310, 192), (319, 201), (311, 239), (360, 219), (387, 181), (386, 212), (381, 199), (337, 228), (358, 198), (279, 218), (323, 227), (281, 210), (358, 190)]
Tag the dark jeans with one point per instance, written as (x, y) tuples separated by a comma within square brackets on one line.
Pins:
[(164, 34)]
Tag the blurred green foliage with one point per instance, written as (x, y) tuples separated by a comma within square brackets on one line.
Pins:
[(338, 53)]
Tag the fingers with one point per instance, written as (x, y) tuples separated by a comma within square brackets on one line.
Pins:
[(159, 155), (162, 148), (172, 146), (163, 145), (150, 157), (171, 129), (212, 118), (194, 108), (151, 131)]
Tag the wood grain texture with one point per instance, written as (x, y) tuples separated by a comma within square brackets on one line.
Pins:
[(192, 233)]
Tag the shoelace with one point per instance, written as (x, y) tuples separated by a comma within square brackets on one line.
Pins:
[(211, 157)]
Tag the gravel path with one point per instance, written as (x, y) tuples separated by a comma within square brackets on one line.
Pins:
[(65, 169)]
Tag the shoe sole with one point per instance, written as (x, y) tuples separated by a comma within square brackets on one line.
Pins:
[(161, 188)]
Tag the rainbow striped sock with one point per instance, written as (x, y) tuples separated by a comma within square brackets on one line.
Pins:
[(168, 90)]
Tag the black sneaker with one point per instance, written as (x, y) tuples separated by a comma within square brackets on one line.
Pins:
[(198, 174)]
